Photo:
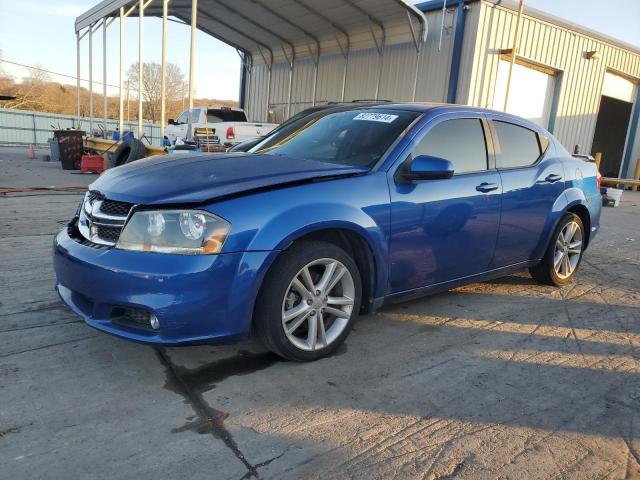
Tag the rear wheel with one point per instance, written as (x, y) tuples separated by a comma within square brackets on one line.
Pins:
[(563, 255), (308, 301)]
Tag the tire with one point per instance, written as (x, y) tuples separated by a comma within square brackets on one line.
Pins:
[(546, 272), (281, 293), (129, 151)]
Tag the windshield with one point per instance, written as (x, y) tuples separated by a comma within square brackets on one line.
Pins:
[(356, 137)]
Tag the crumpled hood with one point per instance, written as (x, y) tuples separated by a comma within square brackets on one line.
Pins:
[(195, 178)]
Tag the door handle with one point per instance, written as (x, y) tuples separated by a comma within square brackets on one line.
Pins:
[(553, 178), (485, 187)]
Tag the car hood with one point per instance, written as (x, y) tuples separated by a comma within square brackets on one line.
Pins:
[(195, 178)]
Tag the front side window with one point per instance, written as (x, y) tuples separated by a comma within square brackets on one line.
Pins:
[(461, 141), (517, 146), (355, 137), (183, 118)]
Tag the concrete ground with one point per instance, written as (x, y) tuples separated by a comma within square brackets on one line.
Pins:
[(505, 379)]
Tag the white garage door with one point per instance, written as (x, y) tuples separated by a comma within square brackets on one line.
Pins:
[(530, 95), (618, 87)]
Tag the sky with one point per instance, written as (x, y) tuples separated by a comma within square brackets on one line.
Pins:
[(42, 32)]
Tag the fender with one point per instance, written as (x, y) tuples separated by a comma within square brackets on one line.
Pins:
[(575, 196), (271, 221), (569, 198), (256, 263), (344, 217)]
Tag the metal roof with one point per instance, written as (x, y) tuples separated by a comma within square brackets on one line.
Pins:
[(301, 27)]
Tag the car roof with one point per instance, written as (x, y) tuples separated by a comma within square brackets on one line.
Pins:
[(419, 107), (440, 108)]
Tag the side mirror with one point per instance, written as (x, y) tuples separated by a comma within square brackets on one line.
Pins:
[(172, 121), (426, 167)]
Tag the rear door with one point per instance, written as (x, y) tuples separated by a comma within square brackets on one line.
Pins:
[(442, 230), (532, 181)]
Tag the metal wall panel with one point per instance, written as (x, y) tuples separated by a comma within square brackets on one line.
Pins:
[(397, 80), (552, 46)]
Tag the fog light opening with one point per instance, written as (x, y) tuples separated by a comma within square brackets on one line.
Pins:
[(155, 323)]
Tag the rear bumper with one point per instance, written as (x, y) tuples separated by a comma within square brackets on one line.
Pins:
[(197, 299)]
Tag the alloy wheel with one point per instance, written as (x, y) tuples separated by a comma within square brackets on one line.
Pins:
[(318, 304), (567, 250)]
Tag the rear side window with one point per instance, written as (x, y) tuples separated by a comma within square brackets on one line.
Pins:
[(461, 141), (517, 146)]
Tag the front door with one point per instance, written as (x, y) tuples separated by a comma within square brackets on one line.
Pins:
[(442, 230)]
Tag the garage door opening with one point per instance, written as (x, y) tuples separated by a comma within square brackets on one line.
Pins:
[(612, 124), (611, 133)]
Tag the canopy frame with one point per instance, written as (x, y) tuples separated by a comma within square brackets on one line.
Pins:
[(272, 28)]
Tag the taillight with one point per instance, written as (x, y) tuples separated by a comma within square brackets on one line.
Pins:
[(598, 179), (230, 133)]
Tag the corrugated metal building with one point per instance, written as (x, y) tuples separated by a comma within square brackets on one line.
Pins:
[(581, 85)]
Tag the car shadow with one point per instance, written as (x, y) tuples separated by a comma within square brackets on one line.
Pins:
[(463, 356)]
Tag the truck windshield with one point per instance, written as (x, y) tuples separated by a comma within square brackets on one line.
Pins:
[(355, 137)]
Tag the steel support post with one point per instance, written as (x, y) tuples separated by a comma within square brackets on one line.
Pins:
[(104, 75), (192, 63), (78, 79), (514, 53), (163, 82), (140, 65), (90, 80), (121, 76)]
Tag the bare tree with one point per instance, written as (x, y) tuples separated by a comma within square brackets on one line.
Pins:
[(37, 91), (33, 92), (152, 86)]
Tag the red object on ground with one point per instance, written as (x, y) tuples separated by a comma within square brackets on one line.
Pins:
[(92, 163), (32, 153)]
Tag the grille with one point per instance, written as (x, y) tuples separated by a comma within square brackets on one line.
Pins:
[(101, 220), (111, 207), (109, 234)]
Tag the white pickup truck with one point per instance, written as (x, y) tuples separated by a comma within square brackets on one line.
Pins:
[(225, 125)]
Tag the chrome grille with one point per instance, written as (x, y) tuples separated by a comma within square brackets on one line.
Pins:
[(101, 220), (109, 234), (111, 207)]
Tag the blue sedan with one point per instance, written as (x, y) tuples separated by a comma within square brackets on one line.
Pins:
[(322, 221)]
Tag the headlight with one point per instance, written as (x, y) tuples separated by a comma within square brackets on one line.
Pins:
[(190, 232)]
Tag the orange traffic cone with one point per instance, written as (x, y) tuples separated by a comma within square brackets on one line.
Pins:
[(32, 152)]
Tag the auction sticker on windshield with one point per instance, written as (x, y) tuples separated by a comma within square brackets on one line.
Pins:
[(376, 117)]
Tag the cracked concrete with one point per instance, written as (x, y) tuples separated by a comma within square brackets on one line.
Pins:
[(503, 379)]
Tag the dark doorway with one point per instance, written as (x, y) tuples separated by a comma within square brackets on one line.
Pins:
[(611, 133)]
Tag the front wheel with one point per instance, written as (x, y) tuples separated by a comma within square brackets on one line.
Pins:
[(564, 253), (308, 301)]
